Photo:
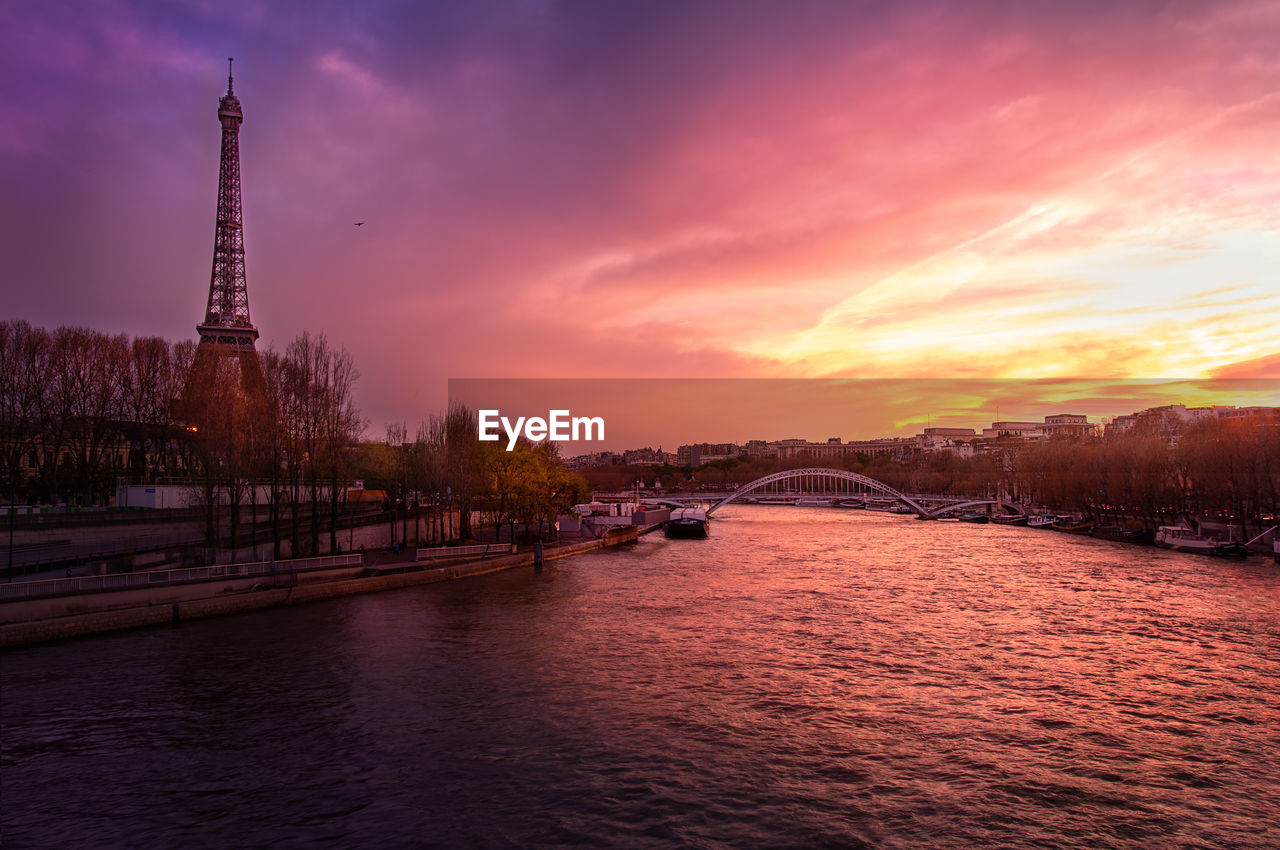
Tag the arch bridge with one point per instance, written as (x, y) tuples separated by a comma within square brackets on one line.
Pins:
[(852, 484)]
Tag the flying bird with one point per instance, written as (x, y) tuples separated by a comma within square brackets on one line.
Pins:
[(359, 224)]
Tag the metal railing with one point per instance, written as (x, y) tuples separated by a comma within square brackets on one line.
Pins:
[(482, 549), (162, 578)]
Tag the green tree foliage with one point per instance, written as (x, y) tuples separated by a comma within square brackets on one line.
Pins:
[(451, 475)]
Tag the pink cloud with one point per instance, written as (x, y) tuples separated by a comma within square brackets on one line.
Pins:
[(1267, 367), (666, 189)]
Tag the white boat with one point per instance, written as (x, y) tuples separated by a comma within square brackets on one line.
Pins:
[(1184, 539), (1042, 521)]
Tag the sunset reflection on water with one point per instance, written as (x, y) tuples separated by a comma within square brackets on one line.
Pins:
[(804, 677)]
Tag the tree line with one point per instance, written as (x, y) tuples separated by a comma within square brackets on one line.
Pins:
[(81, 409), (281, 425), (1227, 469), (277, 437)]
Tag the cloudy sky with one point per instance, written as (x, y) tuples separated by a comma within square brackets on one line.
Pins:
[(699, 189)]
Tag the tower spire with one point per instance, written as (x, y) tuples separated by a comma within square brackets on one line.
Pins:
[(229, 60)]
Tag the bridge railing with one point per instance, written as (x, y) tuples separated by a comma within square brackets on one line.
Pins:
[(162, 578)]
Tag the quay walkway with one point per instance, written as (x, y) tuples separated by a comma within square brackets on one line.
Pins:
[(32, 620), (166, 578)]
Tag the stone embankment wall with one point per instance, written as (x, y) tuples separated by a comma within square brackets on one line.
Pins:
[(51, 607), (219, 601)]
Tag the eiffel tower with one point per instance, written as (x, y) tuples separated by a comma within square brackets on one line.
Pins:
[(227, 331)]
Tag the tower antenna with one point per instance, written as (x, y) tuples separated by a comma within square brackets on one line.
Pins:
[(229, 60)]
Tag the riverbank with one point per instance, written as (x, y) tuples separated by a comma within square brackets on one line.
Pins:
[(198, 602)]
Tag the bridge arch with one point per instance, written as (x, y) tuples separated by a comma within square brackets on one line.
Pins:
[(792, 474)]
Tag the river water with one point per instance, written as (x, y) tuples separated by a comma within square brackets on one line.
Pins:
[(806, 677)]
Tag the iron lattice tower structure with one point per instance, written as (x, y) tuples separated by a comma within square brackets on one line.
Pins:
[(226, 320), (227, 329)]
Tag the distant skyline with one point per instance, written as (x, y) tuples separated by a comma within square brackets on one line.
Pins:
[(692, 189), (666, 413)]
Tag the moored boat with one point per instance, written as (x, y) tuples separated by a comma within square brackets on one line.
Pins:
[(1070, 525), (814, 503), (1183, 539), (973, 516), (1010, 519), (686, 522), (1121, 534), (1042, 521)]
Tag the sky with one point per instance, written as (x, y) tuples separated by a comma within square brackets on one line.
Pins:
[(698, 189)]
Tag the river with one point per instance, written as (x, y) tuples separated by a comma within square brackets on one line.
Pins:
[(806, 677)]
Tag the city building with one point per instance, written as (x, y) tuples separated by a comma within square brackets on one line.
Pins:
[(1169, 421), (1069, 426), (891, 446), (697, 454), (1020, 430)]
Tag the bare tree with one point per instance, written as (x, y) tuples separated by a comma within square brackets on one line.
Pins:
[(88, 379), (307, 355), (466, 475), (23, 358), (341, 428), (430, 465)]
